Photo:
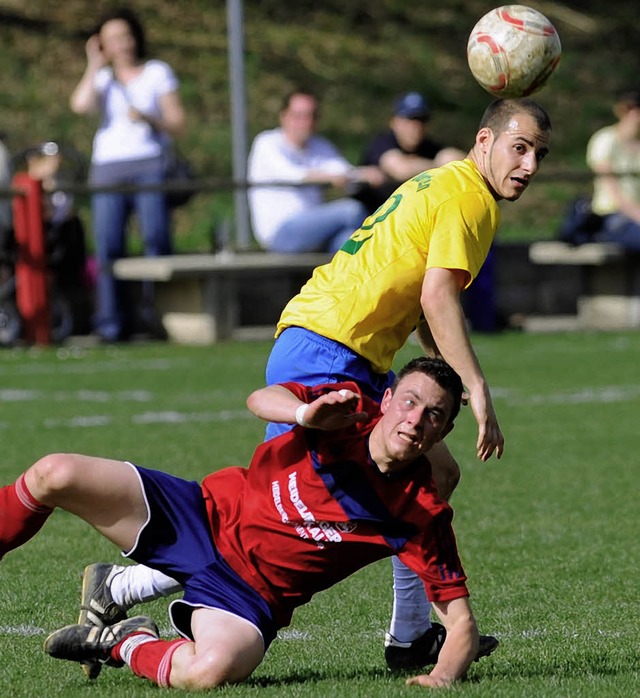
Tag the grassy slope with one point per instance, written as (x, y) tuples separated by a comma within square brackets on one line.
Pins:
[(358, 54)]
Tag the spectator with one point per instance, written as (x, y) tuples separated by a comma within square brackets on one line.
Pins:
[(613, 153), (404, 150), (296, 218), (140, 112)]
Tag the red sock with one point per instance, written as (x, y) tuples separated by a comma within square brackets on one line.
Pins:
[(147, 657), (21, 516)]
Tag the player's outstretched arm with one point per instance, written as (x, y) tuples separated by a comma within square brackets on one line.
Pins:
[(333, 410), (440, 300), (460, 646)]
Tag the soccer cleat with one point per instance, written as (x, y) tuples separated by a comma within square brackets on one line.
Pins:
[(81, 643), (409, 656), (405, 656), (488, 644), (97, 607)]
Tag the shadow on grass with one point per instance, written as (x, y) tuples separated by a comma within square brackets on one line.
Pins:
[(317, 676)]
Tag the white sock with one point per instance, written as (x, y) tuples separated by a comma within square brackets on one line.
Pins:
[(411, 608), (131, 643), (138, 583)]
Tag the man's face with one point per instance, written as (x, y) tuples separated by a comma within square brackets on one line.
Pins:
[(408, 132), (510, 160), (415, 417), (299, 119)]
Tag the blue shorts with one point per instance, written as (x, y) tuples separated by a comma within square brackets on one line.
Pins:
[(305, 357), (176, 539)]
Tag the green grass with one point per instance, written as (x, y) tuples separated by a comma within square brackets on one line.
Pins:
[(548, 534)]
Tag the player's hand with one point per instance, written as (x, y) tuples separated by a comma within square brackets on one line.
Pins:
[(334, 410), (428, 681), (490, 438)]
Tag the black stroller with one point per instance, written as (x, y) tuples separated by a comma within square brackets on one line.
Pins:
[(65, 242)]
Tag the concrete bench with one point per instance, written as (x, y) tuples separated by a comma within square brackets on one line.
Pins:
[(609, 297), (201, 298)]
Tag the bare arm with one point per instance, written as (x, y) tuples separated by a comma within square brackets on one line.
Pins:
[(84, 98), (443, 312), (401, 166), (460, 646), (172, 118), (426, 340), (333, 410)]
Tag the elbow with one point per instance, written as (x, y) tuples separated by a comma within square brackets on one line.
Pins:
[(252, 402), (80, 106)]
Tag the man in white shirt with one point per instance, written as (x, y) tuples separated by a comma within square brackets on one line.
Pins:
[(296, 218), (613, 153)]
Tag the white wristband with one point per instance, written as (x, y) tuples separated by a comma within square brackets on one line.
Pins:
[(300, 412)]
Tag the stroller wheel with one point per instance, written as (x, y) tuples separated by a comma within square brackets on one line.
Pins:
[(10, 324), (61, 318)]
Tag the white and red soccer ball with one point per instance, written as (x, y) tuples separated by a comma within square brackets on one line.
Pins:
[(513, 50)]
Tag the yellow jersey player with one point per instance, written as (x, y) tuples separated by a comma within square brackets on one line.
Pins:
[(405, 269)]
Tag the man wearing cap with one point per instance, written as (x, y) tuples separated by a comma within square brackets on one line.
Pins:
[(404, 150), (615, 150)]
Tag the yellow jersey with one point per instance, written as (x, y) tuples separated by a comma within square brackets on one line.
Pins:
[(368, 296)]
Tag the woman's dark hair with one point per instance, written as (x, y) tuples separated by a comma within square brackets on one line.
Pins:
[(128, 16)]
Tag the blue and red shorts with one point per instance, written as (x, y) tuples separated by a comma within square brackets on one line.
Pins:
[(176, 539)]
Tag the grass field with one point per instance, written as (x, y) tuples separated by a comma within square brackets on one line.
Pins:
[(549, 534)]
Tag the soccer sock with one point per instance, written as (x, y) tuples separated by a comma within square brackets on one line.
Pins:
[(411, 608), (21, 515), (138, 583), (147, 656)]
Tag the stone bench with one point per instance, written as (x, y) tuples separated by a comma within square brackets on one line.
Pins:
[(201, 298), (609, 296)]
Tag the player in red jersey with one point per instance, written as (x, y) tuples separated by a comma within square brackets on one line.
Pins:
[(349, 486)]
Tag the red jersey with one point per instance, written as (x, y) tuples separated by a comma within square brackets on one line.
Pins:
[(313, 508)]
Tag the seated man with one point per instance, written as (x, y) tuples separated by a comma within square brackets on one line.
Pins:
[(347, 487), (613, 153), (404, 150), (296, 218)]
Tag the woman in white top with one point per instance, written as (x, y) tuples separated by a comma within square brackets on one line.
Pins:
[(140, 112)]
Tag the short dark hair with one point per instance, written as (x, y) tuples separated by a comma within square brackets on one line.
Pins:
[(500, 112), (305, 92), (441, 373), (135, 26)]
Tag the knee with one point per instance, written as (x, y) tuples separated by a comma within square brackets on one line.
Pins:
[(212, 669), (50, 476)]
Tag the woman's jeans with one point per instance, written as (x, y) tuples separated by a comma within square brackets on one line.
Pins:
[(111, 212)]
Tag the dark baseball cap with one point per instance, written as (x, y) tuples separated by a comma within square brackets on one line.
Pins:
[(412, 106)]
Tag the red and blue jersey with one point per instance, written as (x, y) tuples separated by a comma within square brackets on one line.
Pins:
[(313, 508)]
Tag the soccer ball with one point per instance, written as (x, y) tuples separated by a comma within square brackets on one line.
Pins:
[(513, 50)]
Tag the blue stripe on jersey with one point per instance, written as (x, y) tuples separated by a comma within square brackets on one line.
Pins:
[(359, 500)]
